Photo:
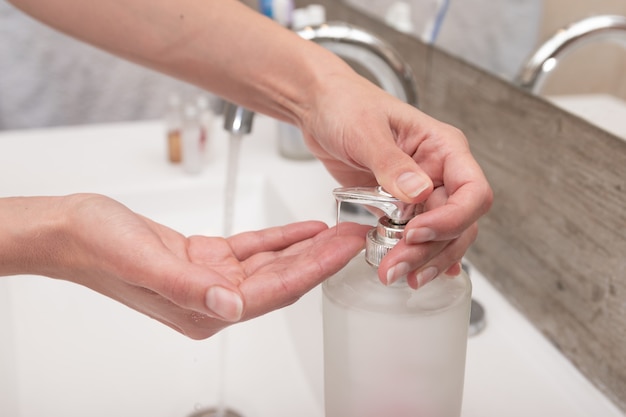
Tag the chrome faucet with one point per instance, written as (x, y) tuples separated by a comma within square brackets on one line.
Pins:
[(237, 119), (353, 44), (567, 39)]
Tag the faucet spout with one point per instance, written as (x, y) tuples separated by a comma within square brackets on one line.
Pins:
[(546, 58), (237, 120)]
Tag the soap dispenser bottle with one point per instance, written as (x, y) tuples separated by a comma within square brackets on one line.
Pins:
[(391, 350)]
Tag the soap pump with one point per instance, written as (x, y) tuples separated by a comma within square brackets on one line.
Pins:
[(391, 350)]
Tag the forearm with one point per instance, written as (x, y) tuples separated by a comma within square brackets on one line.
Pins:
[(220, 45), (30, 234)]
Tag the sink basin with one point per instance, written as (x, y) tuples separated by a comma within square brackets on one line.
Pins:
[(603, 110), (69, 352), (196, 208), (78, 353)]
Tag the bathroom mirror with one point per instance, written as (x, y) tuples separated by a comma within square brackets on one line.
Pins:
[(500, 37)]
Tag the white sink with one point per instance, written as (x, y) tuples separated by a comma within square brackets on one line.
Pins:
[(603, 110), (78, 353), (196, 208), (67, 351)]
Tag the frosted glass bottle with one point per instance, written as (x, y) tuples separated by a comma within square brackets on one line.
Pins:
[(392, 350)]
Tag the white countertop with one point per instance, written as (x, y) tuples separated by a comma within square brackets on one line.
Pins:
[(603, 110), (75, 353)]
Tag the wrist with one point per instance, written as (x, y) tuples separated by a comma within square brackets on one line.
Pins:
[(325, 70)]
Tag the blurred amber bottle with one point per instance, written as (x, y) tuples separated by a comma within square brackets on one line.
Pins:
[(173, 123)]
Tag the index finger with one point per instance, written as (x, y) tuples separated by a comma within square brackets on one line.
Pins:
[(463, 197)]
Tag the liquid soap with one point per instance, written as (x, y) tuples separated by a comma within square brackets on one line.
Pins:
[(392, 350)]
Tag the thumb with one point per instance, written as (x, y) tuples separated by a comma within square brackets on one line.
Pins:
[(410, 185), (394, 168), (196, 287), (398, 173)]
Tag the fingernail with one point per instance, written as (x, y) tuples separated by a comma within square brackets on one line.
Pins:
[(426, 276), (420, 235), (454, 270), (226, 304), (412, 184), (397, 271)]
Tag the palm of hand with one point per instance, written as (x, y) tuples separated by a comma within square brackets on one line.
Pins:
[(165, 275)]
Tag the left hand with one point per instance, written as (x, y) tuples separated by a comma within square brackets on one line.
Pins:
[(196, 285)]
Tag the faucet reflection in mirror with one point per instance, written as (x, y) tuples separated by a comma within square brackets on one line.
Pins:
[(584, 94), (611, 28)]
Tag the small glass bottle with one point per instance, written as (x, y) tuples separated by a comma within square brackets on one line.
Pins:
[(392, 350), (173, 128), (205, 118), (192, 141)]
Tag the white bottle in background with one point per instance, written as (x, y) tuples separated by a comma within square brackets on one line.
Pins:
[(283, 12), (192, 141), (205, 119), (317, 14), (392, 350)]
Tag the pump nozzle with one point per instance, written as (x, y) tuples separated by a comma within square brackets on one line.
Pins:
[(398, 212), (390, 228)]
